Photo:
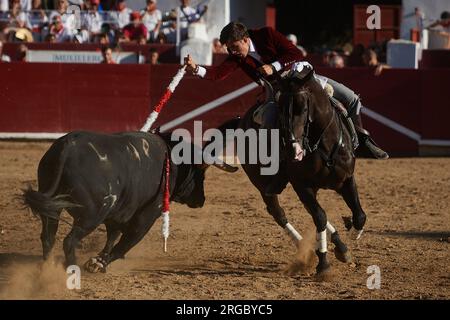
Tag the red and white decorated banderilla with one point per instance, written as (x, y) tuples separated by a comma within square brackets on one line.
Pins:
[(163, 101), (147, 126)]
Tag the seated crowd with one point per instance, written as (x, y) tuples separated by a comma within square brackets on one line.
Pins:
[(106, 22)]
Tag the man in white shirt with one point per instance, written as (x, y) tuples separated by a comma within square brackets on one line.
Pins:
[(121, 16), (93, 20), (151, 18)]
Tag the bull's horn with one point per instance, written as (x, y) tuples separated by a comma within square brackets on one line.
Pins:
[(225, 167)]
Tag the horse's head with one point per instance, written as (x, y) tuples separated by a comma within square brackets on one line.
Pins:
[(297, 107)]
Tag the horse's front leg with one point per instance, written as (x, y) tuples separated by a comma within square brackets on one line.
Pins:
[(350, 194), (308, 198), (277, 212)]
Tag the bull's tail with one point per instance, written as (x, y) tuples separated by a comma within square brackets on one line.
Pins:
[(42, 203), (48, 203)]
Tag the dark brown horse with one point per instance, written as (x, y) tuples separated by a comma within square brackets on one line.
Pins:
[(327, 160)]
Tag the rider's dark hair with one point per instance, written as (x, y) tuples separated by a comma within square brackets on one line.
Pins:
[(445, 15), (234, 31)]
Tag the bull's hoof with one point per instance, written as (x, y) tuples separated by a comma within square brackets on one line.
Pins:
[(345, 257), (95, 265)]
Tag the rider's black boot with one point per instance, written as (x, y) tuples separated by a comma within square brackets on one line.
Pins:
[(367, 147)]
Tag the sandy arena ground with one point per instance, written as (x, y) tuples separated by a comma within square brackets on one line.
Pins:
[(232, 249)]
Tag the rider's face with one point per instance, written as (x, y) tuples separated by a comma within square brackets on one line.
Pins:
[(239, 48)]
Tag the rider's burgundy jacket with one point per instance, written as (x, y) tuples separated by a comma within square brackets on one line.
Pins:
[(270, 44)]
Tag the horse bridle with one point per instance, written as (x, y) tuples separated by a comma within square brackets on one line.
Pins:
[(305, 139)]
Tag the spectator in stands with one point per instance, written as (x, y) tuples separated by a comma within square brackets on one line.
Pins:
[(153, 58), (58, 29), (444, 22), (23, 35), (152, 19), (136, 29), (121, 16), (142, 40), (50, 38), (22, 51), (218, 47), (370, 59), (17, 17), (37, 18), (61, 8), (67, 21), (3, 57), (4, 5), (107, 56), (25, 5), (337, 61), (108, 32), (355, 59), (93, 20), (188, 15), (103, 39), (293, 38)]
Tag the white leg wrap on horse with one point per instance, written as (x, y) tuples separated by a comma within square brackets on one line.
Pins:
[(290, 230), (355, 234), (322, 241), (330, 228)]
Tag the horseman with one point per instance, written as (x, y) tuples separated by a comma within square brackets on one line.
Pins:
[(262, 53)]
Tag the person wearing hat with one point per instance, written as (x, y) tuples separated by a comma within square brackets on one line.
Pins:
[(136, 29)]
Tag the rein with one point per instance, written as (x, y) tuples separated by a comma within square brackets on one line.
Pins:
[(305, 140)]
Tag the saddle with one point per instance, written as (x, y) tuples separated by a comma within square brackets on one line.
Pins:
[(346, 119)]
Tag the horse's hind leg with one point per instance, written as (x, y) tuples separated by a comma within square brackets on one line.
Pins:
[(308, 198), (350, 194), (341, 251), (277, 212)]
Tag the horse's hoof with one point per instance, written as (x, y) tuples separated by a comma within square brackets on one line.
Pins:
[(323, 273), (348, 223), (356, 234), (345, 257), (95, 265)]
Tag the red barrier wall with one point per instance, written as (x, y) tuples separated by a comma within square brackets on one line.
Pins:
[(66, 97)]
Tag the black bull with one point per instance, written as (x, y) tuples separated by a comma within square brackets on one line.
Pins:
[(115, 179)]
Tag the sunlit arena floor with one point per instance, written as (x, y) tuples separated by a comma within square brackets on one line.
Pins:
[(232, 249)]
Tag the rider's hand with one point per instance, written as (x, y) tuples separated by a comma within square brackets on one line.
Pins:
[(266, 70), (190, 64)]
